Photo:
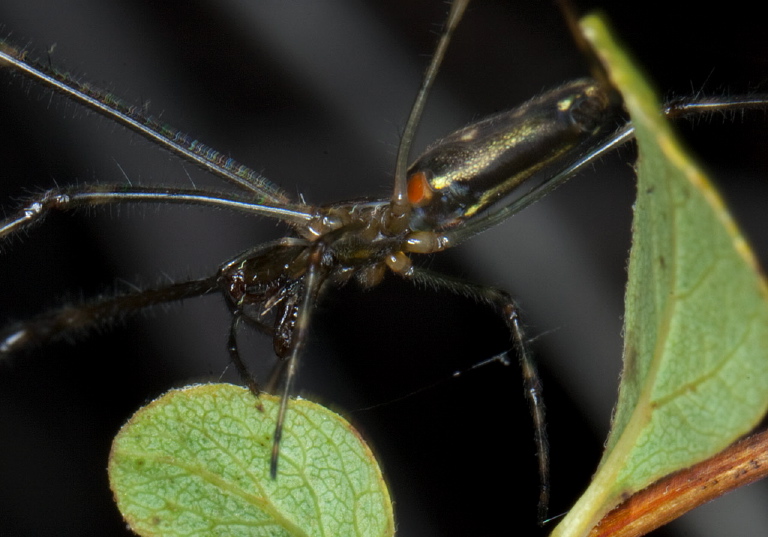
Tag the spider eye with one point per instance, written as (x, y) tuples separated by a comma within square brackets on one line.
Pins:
[(419, 190)]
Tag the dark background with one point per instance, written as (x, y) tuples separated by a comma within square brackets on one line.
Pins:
[(314, 95)]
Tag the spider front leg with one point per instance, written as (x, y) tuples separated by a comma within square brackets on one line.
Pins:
[(508, 310), (74, 319), (305, 295), (87, 196)]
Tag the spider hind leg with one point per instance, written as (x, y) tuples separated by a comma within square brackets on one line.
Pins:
[(506, 307)]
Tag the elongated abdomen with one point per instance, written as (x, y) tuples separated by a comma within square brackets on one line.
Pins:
[(466, 172)]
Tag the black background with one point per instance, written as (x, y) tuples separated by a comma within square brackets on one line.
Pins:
[(314, 95)]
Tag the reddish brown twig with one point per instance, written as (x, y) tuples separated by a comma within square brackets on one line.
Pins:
[(667, 499)]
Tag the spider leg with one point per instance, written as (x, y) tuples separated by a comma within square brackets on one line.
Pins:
[(71, 319), (76, 197), (151, 128), (234, 354), (507, 308), (313, 282)]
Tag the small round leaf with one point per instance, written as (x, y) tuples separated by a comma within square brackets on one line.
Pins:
[(196, 462)]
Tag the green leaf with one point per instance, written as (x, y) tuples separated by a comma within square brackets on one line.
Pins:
[(696, 324), (196, 462)]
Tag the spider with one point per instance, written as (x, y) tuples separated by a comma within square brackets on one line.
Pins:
[(312, 190)]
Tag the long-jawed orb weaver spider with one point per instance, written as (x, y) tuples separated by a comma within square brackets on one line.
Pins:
[(316, 185)]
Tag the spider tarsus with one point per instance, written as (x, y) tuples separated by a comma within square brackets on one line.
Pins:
[(275, 454), (275, 457), (533, 392)]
